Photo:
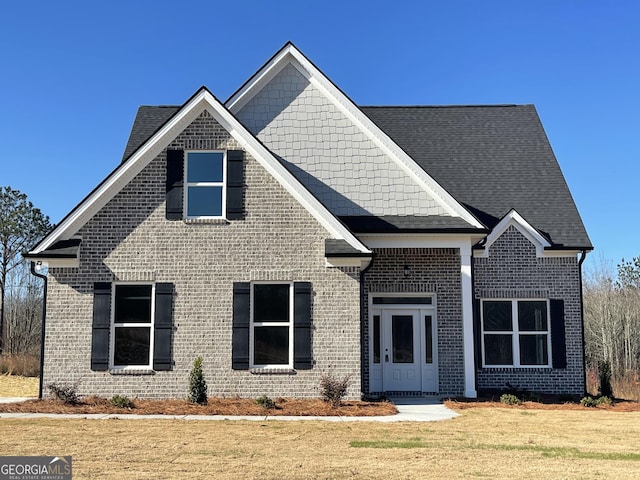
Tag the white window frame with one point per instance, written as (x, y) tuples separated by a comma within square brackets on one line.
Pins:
[(253, 324), (222, 184), (114, 325), (516, 333)]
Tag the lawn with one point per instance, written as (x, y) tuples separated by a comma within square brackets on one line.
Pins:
[(480, 443)]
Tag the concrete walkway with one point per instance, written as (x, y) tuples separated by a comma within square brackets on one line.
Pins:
[(414, 409)]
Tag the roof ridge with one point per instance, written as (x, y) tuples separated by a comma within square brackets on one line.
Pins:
[(502, 105)]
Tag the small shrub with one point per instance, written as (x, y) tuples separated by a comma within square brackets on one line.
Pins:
[(66, 393), (266, 402), (509, 399), (333, 388), (121, 401), (197, 383), (588, 402), (604, 401), (604, 375)]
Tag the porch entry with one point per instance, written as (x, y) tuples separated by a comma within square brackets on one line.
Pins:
[(403, 344)]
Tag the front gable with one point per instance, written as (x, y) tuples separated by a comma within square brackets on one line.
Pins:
[(203, 101), (333, 148)]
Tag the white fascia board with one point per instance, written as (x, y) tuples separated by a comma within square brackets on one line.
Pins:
[(516, 220), (347, 107), (339, 262), (464, 242)]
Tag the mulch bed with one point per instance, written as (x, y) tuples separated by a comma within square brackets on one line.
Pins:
[(215, 406), (465, 404)]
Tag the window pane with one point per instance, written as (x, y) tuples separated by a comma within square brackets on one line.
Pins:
[(204, 201), (498, 350), (271, 345), (132, 346), (428, 339), (376, 339), (133, 304), (204, 167), (402, 338), (271, 303), (497, 316), (533, 350), (532, 316)]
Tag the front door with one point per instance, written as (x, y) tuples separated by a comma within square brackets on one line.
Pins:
[(401, 351)]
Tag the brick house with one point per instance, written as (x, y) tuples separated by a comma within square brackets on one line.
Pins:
[(289, 232)]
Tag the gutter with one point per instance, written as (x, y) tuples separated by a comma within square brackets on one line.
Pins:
[(583, 255), (363, 321), (42, 330)]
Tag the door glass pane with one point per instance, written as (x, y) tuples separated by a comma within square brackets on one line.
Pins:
[(271, 346), (498, 350), (428, 339), (532, 316), (131, 346), (402, 338), (533, 350), (376, 339)]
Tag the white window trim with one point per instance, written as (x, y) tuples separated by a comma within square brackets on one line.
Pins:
[(223, 184), (253, 324), (114, 325), (515, 333)]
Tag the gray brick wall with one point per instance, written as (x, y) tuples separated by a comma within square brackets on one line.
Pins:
[(512, 270), (432, 270), (130, 240)]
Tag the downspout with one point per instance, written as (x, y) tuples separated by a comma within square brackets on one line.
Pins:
[(42, 330), (363, 320), (583, 255)]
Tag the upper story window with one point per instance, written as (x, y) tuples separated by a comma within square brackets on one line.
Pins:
[(516, 333), (205, 195)]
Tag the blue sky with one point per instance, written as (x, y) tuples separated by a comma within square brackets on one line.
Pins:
[(72, 74)]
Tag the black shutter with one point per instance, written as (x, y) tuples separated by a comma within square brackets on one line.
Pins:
[(558, 335), (101, 326), (302, 357), (235, 184), (163, 326), (175, 183), (240, 332), (477, 332)]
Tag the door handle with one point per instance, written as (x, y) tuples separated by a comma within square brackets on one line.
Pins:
[(386, 357)]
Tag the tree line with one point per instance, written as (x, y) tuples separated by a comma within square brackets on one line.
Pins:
[(21, 294), (612, 317)]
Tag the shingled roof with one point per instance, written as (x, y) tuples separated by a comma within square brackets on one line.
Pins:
[(490, 158)]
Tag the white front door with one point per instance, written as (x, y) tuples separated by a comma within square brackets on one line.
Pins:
[(401, 350), (403, 353)]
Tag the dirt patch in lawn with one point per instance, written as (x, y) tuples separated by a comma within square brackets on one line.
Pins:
[(617, 406), (215, 406)]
